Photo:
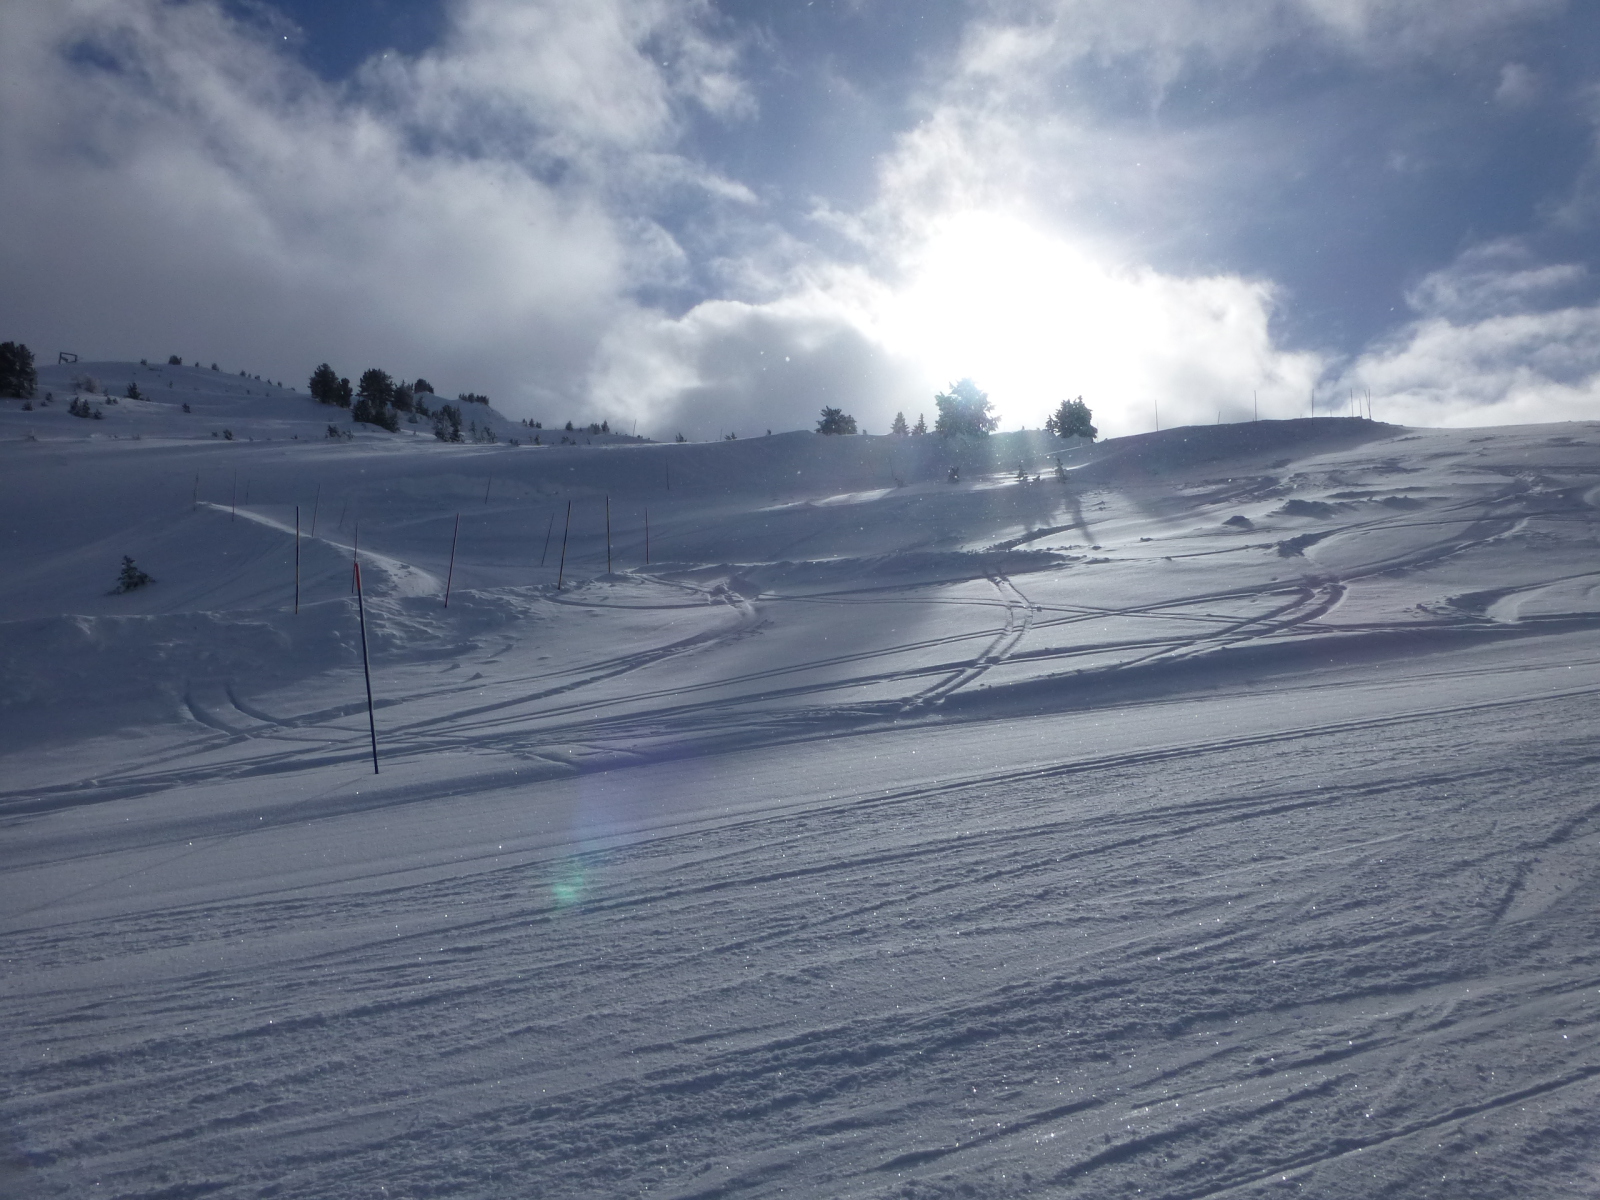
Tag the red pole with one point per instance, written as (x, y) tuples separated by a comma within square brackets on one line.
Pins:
[(452, 573)]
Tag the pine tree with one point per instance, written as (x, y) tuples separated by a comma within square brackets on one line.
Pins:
[(17, 376), (447, 423), (133, 392), (835, 421), (324, 385), (920, 428), (1072, 418), (130, 578), (964, 410), (900, 427)]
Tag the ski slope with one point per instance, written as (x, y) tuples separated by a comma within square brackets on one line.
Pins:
[(1205, 813)]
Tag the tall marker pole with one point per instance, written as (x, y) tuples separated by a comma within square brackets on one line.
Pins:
[(647, 537), (315, 504), (565, 529), (608, 535), (355, 558), (366, 669), (486, 488), (452, 573), (196, 503), (233, 497), (548, 529), (296, 558)]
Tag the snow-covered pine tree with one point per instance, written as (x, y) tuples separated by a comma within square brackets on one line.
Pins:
[(900, 427)]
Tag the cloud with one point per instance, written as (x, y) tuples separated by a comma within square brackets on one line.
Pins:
[(173, 179), (528, 210), (1501, 338), (1500, 370)]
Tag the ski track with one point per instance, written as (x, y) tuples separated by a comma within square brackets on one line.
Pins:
[(1305, 927)]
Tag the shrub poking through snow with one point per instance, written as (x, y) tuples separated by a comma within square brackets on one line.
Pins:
[(130, 577)]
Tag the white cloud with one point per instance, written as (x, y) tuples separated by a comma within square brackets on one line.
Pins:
[(172, 179), (1501, 370)]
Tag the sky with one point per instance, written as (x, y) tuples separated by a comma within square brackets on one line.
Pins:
[(712, 216)]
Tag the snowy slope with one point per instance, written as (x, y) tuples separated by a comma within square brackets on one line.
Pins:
[(1211, 816)]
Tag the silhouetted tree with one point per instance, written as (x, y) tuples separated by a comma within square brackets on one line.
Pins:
[(17, 376), (1072, 418), (920, 428), (324, 386), (964, 411), (900, 427), (835, 420)]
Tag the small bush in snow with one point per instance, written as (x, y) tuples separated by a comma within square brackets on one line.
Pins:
[(134, 393), (174, 361), (131, 577)]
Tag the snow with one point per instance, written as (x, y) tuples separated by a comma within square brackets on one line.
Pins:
[(882, 837)]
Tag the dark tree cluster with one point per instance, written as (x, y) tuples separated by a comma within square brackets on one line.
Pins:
[(835, 421), (18, 379)]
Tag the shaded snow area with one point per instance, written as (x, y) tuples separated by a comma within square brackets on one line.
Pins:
[(1205, 813)]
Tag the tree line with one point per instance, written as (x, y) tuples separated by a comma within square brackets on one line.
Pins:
[(966, 411)]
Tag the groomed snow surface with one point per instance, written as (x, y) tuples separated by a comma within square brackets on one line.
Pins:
[(1216, 815)]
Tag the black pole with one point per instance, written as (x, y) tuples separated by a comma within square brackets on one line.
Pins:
[(647, 537), (452, 573), (608, 535), (547, 531), (315, 504), (565, 529), (296, 558), (355, 557), (366, 669), (486, 488)]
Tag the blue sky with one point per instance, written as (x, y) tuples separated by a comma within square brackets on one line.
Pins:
[(707, 216)]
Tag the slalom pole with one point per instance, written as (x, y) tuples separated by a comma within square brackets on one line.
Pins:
[(297, 558), (486, 488), (608, 535), (366, 669), (452, 573), (233, 497), (647, 537), (344, 508), (548, 529), (565, 529), (355, 558), (315, 503), (196, 501)]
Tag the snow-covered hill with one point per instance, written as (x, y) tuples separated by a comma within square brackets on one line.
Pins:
[(1203, 813)]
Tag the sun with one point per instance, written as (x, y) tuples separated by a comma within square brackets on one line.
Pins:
[(1031, 318)]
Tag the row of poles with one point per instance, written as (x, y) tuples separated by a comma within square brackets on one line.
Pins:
[(355, 567)]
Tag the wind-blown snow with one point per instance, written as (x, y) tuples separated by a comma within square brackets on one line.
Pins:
[(882, 837)]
